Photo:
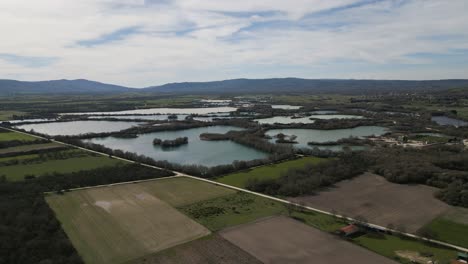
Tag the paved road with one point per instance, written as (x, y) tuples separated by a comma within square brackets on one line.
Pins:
[(179, 174)]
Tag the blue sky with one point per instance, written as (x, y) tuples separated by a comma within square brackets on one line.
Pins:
[(148, 42)]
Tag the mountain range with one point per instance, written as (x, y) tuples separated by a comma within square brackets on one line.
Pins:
[(235, 86)]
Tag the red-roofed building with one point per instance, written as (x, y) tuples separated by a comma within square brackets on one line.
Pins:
[(349, 230)]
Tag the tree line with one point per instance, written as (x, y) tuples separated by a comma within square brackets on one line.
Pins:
[(312, 177)]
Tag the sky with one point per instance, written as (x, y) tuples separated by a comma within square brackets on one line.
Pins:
[(141, 43)]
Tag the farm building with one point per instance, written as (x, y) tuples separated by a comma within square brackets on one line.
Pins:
[(349, 230)]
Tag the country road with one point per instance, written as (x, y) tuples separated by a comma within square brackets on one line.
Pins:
[(179, 174)]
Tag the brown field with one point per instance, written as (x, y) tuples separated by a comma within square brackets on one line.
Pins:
[(284, 240), (212, 250), (380, 202), (120, 223)]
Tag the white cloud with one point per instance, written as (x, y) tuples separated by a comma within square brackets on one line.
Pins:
[(185, 40)]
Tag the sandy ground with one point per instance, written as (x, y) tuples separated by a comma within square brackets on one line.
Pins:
[(284, 240), (119, 223), (380, 202), (213, 250)]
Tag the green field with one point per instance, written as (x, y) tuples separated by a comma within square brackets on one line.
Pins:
[(8, 115), (17, 172), (25, 148), (320, 221), (274, 171), (387, 245), (231, 210), (20, 158), (449, 231), (119, 223), (9, 136), (182, 191)]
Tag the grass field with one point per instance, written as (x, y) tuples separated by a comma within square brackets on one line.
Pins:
[(182, 191), (25, 148), (17, 172), (120, 223), (274, 171), (20, 158), (231, 210), (449, 231), (8, 115), (387, 245), (9, 136), (320, 221)]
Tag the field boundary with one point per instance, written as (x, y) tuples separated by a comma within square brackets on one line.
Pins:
[(178, 174)]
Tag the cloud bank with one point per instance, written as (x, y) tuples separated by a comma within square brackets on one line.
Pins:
[(148, 42)]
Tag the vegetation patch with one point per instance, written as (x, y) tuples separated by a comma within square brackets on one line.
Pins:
[(181, 191), (10, 136), (22, 171), (274, 171), (389, 246), (231, 210), (26, 149), (447, 230)]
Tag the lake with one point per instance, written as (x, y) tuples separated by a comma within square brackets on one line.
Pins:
[(448, 121), (303, 120), (307, 135), (155, 111), (74, 128), (286, 107), (142, 117), (208, 153)]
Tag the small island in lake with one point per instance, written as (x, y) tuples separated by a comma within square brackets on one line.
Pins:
[(171, 143)]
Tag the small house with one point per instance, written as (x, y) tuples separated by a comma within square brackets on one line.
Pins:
[(349, 230)]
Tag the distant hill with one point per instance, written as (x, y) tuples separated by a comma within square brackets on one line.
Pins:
[(295, 85), (236, 86), (10, 87)]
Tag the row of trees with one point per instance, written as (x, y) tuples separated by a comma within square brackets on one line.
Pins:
[(441, 166), (312, 177), (168, 143)]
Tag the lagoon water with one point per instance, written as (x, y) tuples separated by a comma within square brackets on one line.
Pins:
[(74, 128), (141, 117), (286, 107), (303, 120), (200, 152), (448, 121), (155, 111), (307, 135)]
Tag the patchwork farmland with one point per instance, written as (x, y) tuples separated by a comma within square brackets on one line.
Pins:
[(120, 223), (184, 220), (24, 156)]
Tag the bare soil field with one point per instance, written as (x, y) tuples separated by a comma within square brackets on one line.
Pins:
[(380, 202), (212, 250), (119, 223), (284, 240), (182, 191)]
